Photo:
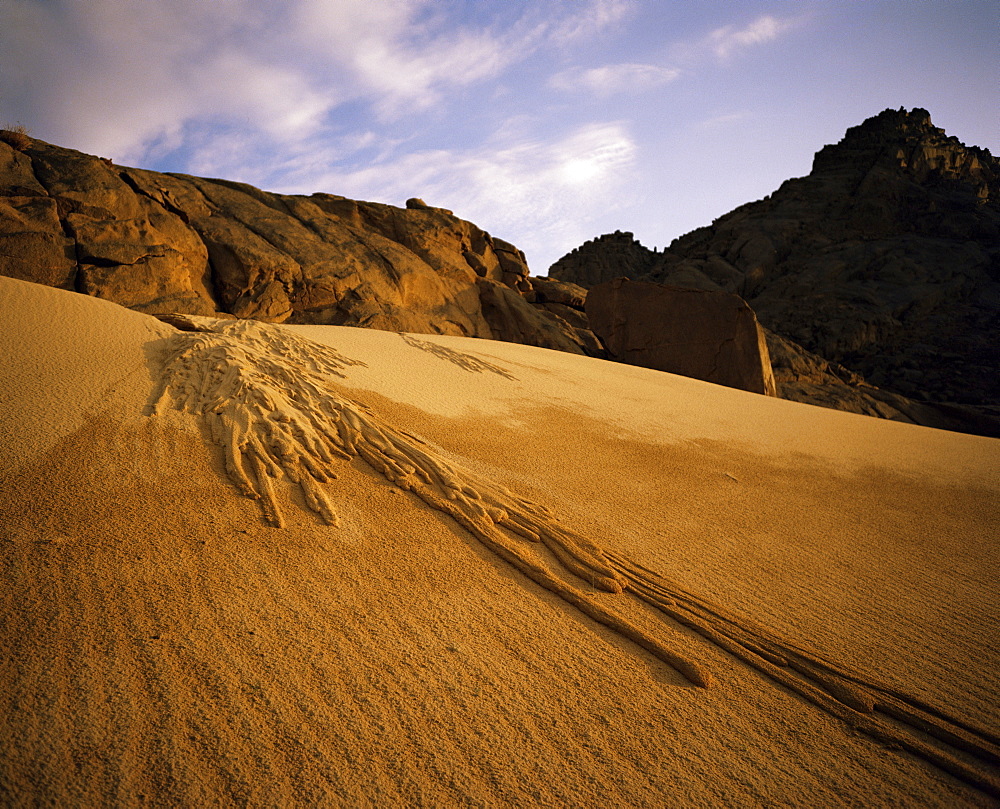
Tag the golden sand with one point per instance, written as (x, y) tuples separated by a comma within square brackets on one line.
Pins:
[(260, 565)]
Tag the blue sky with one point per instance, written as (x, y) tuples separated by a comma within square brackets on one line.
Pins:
[(546, 122)]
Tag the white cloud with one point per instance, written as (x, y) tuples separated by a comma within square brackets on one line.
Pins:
[(276, 99), (591, 18), (729, 39), (111, 77), (523, 176), (611, 79), (130, 79), (114, 77), (329, 94), (531, 192), (384, 51)]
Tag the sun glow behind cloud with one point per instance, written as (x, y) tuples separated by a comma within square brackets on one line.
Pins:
[(541, 188)]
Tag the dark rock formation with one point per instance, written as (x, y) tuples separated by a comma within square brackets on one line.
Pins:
[(613, 255), (712, 336), (802, 376), (884, 259), (164, 243)]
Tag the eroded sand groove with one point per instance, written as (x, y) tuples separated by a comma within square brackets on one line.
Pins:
[(271, 401), (459, 358), (883, 713)]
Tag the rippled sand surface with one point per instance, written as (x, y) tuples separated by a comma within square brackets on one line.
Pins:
[(247, 564)]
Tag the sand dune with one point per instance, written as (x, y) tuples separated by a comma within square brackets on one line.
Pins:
[(260, 565)]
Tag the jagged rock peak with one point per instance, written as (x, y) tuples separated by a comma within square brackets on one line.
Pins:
[(885, 259), (603, 259), (910, 141), (892, 123)]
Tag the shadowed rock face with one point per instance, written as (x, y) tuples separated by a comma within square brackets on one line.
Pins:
[(613, 255), (885, 259), (802, 376), (712, 336), (164, 243)]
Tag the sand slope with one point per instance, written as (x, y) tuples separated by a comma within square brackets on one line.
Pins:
[(402, 638)]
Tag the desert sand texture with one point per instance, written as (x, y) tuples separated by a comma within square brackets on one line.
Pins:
[(256, 565)]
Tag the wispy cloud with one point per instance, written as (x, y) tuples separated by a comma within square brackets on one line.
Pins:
[(612, 79), (729, 39), (591, 18), (384, 52), (112, 79), (724, 120), (116, 78), (546, 190)]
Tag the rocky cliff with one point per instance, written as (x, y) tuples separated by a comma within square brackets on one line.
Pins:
[(884, 259), (164, 243)]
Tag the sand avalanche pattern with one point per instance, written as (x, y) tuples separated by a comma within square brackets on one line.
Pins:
[(465, 361), (274, 407)]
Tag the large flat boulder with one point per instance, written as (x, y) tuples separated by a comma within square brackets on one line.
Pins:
[(696, 333)]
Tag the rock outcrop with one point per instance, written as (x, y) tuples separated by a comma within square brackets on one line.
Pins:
[(565, 302), (163, 243), (884, 259), (712, 336), (802, 376), (613, 255)]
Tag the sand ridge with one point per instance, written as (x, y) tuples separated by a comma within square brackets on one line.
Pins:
[(650, 405), (58, 360), (274, 417)]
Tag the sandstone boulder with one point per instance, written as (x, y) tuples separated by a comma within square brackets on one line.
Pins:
[(85, 228), (564, 302), (33, 246), (712, 336), (565, 293), (514, 320), (449, 245)]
